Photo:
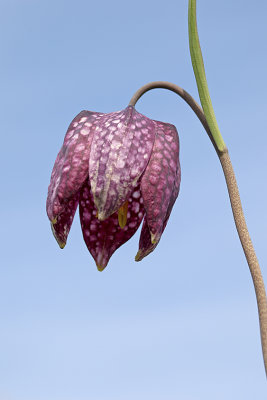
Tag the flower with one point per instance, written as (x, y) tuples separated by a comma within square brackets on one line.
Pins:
[(121, 168)]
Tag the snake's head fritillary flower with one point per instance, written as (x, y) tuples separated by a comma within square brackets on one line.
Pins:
[(121, 168)]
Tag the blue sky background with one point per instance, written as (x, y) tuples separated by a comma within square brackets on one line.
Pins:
[(182, 324)]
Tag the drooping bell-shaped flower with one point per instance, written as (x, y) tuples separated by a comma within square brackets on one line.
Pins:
[(121, 168)]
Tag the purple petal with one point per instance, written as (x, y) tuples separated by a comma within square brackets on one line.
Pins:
[(102, 238), (71, 166), (62, 225), (158, 180), (120, 151), (145, 244)]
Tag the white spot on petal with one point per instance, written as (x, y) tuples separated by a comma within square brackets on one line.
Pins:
[(83, 119), (136, 195), (84, 132), (80, 147), (120, 163)]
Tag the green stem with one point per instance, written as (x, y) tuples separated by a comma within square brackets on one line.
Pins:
[(236, 205), (199, 71)]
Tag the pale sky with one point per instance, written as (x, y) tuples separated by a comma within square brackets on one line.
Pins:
[(181, 324)]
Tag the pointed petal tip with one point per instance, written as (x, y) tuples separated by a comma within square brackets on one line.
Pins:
[(138, 256), (100, 262), (100, 267), (101, 216), (59, 242)]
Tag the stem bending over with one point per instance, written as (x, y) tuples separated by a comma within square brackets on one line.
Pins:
[(235, 204)]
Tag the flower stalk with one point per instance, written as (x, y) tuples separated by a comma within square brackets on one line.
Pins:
[(201, 80), (236, 205), (199, 71)]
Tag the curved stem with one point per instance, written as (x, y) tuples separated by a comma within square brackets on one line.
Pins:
[(182, 93), (236, 205), (249, 251)]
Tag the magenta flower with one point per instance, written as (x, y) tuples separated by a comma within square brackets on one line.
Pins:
[(121, 168)]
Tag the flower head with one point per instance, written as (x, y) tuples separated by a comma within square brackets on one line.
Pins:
[(121, 168)]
